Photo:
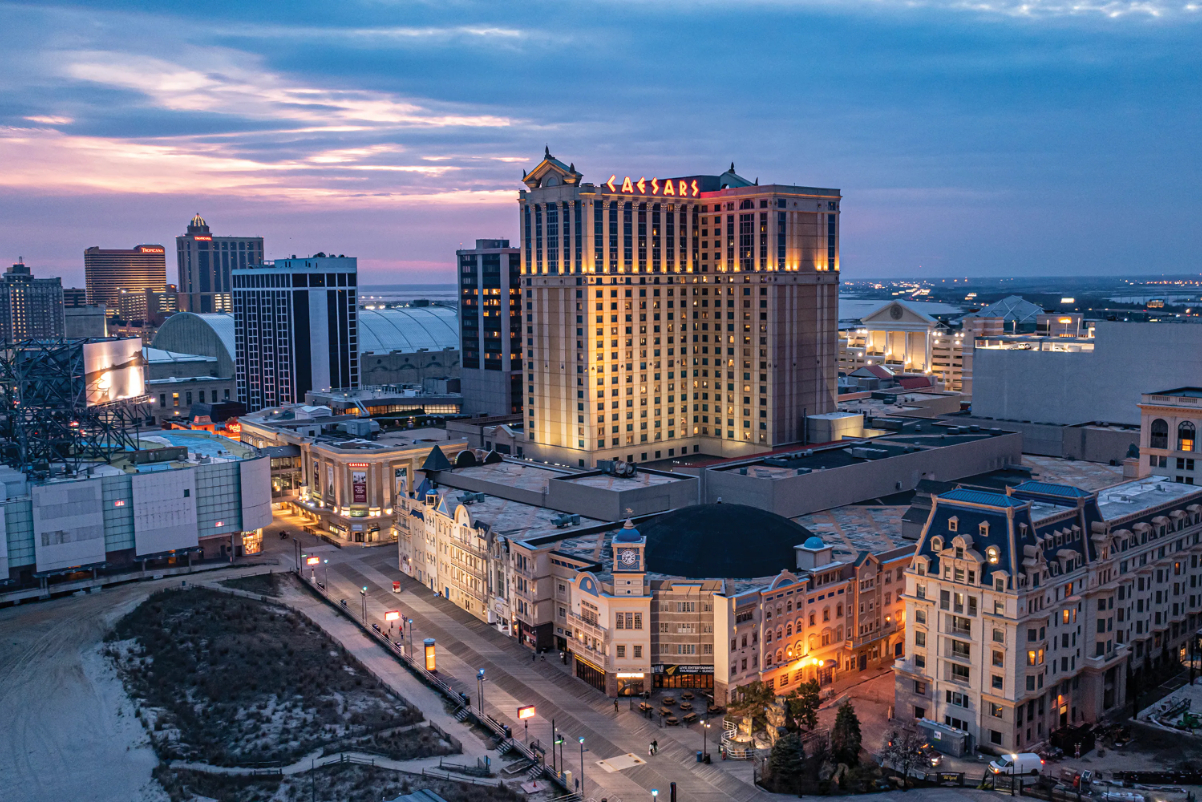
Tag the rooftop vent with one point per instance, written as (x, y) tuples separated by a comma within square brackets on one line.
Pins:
[(564, 520)]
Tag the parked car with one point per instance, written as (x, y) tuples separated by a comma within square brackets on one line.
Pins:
[(1021, 763), (932, 756)]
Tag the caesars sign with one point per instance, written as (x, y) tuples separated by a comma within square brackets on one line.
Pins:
[(671, 187)]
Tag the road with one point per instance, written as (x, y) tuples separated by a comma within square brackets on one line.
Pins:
[(465, 645)]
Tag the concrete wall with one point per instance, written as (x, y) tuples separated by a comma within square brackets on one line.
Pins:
[(1051, 387), (852, 484), (1084, 442), (565, 495), (487, 392), (613, 505), (399, 367)]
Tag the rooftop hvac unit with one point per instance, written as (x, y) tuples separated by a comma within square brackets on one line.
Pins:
[(564, 520)]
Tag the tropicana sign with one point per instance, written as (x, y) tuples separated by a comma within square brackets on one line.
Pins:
[(673, 187)]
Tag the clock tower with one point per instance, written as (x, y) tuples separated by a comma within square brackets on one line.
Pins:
[(629, 546)]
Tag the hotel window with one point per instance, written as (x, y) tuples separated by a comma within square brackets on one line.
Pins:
[(1185, 436), (763, 238), (538, 237), (613, 236), (830, 241), (598, 236), (670, 239), (655, 238), (642, 237), (780, 240), (746, 241), (579, 236), (627, 235), (1160, 434), (552, 238)]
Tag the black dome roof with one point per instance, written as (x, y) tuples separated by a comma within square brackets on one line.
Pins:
[(721, 541)]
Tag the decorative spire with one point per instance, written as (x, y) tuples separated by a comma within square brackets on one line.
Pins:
[(732, 167), (547, 151)]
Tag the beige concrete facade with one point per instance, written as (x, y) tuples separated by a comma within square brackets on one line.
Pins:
[(659, 323), (1027, 611), (1168, 444)]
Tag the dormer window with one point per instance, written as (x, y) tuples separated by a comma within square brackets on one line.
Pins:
[(959, 553), (983, 530), (953, 524), (993, 554)]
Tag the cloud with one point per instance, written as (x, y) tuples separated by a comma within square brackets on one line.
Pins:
[(1015, 9), (46, 119), (220, 81)]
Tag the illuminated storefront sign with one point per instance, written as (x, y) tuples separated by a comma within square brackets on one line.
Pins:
[(202, 237), (671, 187)]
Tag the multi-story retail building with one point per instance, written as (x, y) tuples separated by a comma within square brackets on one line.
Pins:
[(340, 472), (1026, 611), (206, 264), (490, 319), (295, 328), (181, 496), (690, 314), (30, 308), (108, 271)]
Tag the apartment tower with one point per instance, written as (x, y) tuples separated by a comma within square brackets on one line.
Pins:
[(30, 308), (490, 327), (672, 316), (296, 328)]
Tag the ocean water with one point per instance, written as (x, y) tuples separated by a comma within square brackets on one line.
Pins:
[(400, 293)]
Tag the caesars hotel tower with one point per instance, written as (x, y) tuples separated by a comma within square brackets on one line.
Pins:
[(664, 317)]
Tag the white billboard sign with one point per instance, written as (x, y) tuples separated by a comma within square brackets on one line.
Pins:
[(68, 525), (164, 511), (256, 493), (113, 370)]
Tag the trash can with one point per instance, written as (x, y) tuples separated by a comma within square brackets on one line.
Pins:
[(698, 755)]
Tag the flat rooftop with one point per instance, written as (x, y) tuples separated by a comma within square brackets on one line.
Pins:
[(513, 519), (521, 475), (876, 525), (1132, 498), (609, 482), (785, 465), (385, 441)]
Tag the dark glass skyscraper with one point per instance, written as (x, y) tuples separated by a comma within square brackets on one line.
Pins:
[(490, 318)]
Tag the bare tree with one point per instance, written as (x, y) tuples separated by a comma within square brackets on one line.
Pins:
[(903, 750)]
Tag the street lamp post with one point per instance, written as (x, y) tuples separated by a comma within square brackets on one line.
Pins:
[(582, 765), (654, 794), (480, 691), (363, 594), (325, 569), (705, 725), (409, 626), (554, 741), (296, 554)]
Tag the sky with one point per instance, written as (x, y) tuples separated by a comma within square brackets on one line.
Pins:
[(969, 137)]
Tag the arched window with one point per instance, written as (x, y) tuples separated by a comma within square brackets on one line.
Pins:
[(1185, 436), (768, 636), (1160, 434), (789, 630)]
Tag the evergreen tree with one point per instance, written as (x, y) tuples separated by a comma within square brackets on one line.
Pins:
[(845, 735), (803, 705), (786, 763)]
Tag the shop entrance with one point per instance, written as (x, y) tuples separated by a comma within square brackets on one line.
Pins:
[(590, 674)]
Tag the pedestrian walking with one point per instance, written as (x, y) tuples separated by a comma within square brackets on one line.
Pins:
[(533, 656), (650, 750), (655, 746), (615, 705)]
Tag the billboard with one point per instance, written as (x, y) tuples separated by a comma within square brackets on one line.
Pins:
[(359, 487), (255, 476), (164, 511), (68, 524), (113, 370)]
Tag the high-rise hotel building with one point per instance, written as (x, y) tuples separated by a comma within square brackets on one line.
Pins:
[(108, 271), (675, 316), (205, 263), (296, 328)]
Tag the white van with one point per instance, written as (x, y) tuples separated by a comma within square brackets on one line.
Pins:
[(1022, 763)]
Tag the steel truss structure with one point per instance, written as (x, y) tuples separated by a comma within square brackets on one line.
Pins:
[(46, 425)]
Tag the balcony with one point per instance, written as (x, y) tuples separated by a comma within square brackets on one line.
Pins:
[(591, 628)]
